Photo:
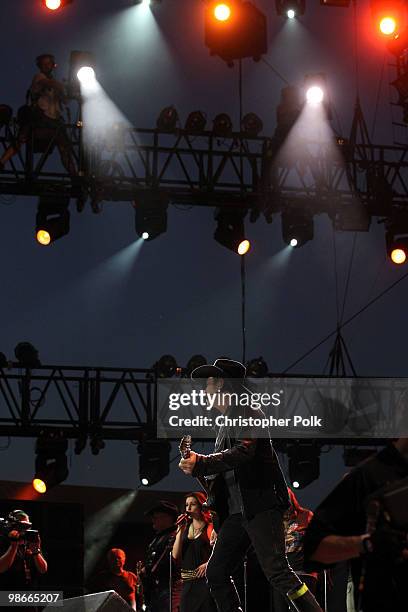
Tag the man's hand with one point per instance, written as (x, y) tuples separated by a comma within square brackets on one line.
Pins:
[(187, 465), (200, 571), (14, 535)]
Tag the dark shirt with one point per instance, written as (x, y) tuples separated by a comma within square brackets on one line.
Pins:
[(124, 584), (22, 573), (343, 513), (234, 496)]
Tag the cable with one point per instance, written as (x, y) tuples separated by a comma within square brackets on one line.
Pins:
[(336, 280), (278, 74), (346, 322)]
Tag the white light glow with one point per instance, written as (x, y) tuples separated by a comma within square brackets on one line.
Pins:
[(86, 75), (291, 14), (315, 95), (145, 482), (295, 484), (293, 242), (145, 235)]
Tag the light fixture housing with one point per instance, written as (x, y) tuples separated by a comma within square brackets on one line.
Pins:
[(154, 461)]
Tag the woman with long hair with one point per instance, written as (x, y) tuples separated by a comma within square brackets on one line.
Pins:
[(191, 550)]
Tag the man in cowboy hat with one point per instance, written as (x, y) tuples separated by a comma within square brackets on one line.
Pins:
[(250, 496), (156, 573)]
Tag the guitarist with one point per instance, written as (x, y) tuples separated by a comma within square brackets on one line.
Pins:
[(250, 498)]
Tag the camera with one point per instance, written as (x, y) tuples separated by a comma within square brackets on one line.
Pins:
[(24, 529)]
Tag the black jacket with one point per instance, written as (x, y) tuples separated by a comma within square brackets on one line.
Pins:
[(257, 473)]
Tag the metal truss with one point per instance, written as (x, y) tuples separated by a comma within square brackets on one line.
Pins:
[(109, 403), (206, 170)]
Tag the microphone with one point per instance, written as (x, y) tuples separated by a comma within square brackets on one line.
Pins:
[(183, 518)]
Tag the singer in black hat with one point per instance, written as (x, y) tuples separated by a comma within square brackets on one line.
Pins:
[(250, 497)]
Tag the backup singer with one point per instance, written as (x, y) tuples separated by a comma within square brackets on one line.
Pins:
[(192, 549), (250, 498)]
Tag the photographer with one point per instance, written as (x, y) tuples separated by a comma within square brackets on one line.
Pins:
[(21, 559), (345, 529)]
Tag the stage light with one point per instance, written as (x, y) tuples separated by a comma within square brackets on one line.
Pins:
[(167, 120), (222, 125), (304, 464), (151, 215), (290, 8), (243, 247), (297, 227), (315, 87), (251, 125), (222, 11), (154, 461), (196, 122), (314, 95), (27, 355), (81, 72), (86, 75), (396, 239), (52, 220), (234, 30), (51, 465), (39, 485), (230, 231), (166, 367), (54, 5), (257, 368), (387, 26)]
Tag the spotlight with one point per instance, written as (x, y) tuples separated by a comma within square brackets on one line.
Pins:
[(251, 125), (166, 367), (54, 5), (297, 227), (234, 30), (27, 355), (230, 231), (151, 215), (51, 465), (387, 26), (167, 120), (221, 11), (304, 464), (196, 122), (6, 113), (194, 362), (154, 461), (86, 75), (397, 248), (315, 86), (52, 220), (81, 71), (257, 368), (222, 125), (290, 8)]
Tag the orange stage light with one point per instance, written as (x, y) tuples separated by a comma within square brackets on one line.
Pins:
[(43, 237), (222, 11), (39, 485), (398, 256)]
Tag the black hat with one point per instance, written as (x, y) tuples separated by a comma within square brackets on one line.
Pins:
[(221, 368), (166, 507)]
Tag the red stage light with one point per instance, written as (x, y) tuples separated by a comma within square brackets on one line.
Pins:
[(222, 11), (387, 25), (53, 5)]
